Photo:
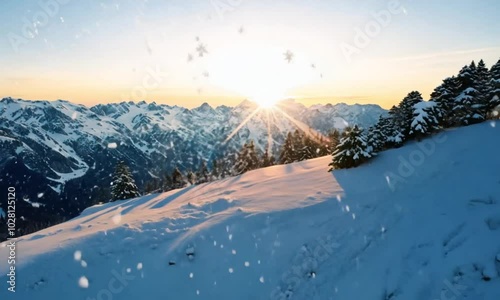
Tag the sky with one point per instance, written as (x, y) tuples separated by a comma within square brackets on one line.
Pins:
[(183, 52)]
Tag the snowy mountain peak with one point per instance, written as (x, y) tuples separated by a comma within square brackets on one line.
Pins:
[(60, 149)]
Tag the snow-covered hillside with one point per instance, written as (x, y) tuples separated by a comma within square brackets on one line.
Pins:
[(418, 222), (62, 155)]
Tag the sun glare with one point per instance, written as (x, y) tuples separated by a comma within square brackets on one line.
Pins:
[(260, 74)]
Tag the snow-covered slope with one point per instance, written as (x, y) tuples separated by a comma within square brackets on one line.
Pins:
[(67, 152), (419, 222)]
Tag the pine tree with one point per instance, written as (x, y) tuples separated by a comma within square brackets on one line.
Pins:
[(202, 175), (191, 177), (287, 154), (266, 160), (297, 144), (334, 140), (123, 183), (308, 149), (324, 147), (215, 172), (482, 85), (352, 151), (444, 97), (494, 92), (405, 112), (178, 180), (424, 119), (167, 184), (376, 138), (466, 105), (247, 159), (392, 128)]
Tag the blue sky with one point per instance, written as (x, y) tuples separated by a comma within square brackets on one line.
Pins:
[(103, 51)]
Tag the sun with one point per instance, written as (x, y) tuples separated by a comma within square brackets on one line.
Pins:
[(268, 98), (258, 73)]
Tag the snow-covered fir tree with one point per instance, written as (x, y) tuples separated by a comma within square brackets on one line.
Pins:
[(123, 186), (216, 170), (444, 97), (424, 119), (482, 84), (203, 175), (405, 113), (352, 150), (376, 138), (247, 159), (191, 177), (266, 160), (308, 149), (334, 140), (178, 180), (392, 128), (287, 154), (467, 106), (494, 92)]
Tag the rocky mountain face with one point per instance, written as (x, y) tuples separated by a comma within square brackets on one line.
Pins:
[(60, 156)]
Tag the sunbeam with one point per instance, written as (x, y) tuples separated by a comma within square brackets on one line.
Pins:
[(269, 135), (242, 124), (313, 134)]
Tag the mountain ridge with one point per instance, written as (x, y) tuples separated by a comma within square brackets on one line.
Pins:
[(59, 149)]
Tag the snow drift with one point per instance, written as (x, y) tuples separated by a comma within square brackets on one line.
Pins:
[(418, 222)]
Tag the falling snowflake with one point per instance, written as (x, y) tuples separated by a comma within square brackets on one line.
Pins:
[(261, 279), (313, 66), (231, 270), (241, 30), (83, 263), (288, 56), (83, 282), (139, 266), (190, 57), (201, 49), (77, 255), (112, 145), (247, 264), (206, 74)]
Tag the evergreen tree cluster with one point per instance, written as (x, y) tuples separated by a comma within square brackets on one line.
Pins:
[(470, 97), (220, 169), (299, 146)]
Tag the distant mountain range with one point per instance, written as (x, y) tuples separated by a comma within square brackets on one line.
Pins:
[(50, 150)]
